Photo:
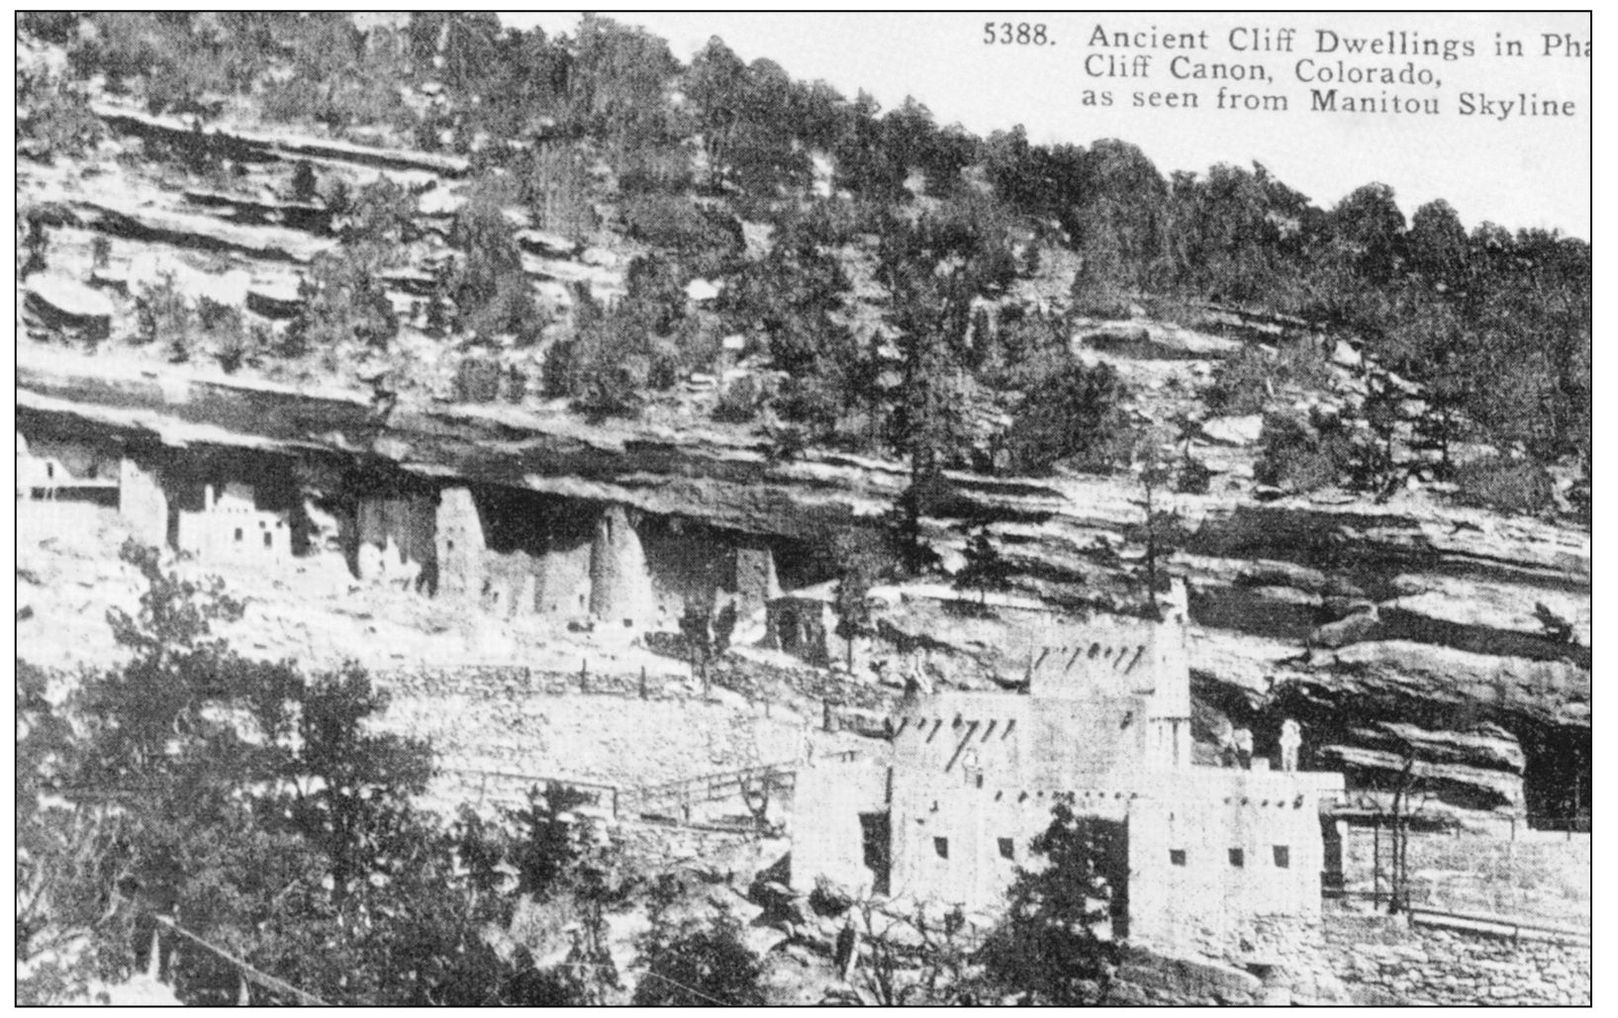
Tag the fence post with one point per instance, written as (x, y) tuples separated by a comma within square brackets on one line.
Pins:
[(584, 675), (643, 682), (1376, 862)]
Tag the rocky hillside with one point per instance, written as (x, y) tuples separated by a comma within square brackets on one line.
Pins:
[(1411, 622), (1396, 624)]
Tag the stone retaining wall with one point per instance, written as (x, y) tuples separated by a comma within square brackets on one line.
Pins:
[(653, 846), (1146, 978), (497, 682), (1284, 952), (529, 722), (1387, 960)]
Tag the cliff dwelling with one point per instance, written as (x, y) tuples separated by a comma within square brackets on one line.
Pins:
[(515, 553)]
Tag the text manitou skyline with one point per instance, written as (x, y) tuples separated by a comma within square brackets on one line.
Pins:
[(1442, 136)]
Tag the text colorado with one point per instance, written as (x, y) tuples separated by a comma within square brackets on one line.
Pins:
[(1341, 72)]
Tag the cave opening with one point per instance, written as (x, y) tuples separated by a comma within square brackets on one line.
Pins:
[(531, 522), (1556, 777), (801, 563)]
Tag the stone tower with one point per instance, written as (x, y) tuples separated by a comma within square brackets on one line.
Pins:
[(460, 544), (620, 586)]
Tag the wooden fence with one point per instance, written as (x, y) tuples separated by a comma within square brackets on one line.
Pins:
[(670, 799)]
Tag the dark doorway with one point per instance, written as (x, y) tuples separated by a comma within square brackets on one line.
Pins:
[(875, 837), (1331, 867)]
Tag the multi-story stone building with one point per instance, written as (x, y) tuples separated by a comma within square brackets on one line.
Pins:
[(1196, 858)]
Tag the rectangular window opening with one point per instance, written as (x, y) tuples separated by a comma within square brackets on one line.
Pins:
[(1176, 857), (1238, 857), (1283, 857), (941, 846)]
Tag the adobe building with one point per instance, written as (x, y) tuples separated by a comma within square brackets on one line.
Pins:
[(63, 485), (1198, 859), (66, 472), (232, 527)]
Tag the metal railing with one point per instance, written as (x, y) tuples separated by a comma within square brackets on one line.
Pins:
[(507, 785), (1476, 922), (671, 798), (684, 793), (1511, 926)]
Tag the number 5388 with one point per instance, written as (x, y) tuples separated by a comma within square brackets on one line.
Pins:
[(1021, 33)]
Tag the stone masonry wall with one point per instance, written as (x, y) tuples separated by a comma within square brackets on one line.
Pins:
[(653, 846), (1536, 875), (532, 722), (1385, 960), (497, 681)]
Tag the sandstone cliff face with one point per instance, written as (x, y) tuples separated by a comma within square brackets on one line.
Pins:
[(1387, 629), (1408, 628)]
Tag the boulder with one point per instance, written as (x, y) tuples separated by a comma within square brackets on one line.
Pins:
[(439, 201), (1193, 978), (541, 242), (274, 298), (1244, 430), (700, 290), (1353, 629), (1151, 341), (762, 940), (1345, 356), (66, 305), (1275, 996)]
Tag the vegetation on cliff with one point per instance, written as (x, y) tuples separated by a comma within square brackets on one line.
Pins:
[(891, 293)]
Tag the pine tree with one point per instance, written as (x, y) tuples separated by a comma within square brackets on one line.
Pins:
[(696, 633), (851, 602), (1048, 946), (985, 568)]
